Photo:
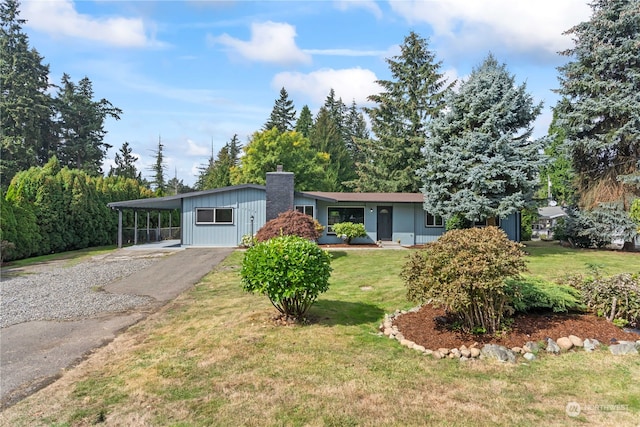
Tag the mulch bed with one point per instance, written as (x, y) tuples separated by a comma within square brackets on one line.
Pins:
[(431, 328)]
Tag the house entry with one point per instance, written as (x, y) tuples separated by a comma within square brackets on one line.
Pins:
[(385, 221)]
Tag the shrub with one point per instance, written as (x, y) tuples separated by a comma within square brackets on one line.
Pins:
[(536, 294), (596, 228), (617, 298), (465, 271), (290, 270), (349, 230), (289, 223)]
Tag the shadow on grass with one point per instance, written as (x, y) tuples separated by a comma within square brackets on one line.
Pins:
[(332, 312), (337, 254)]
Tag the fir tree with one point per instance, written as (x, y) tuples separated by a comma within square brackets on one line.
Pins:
[(390, 162), (600, 108), (218, 173), (482, 163), (355, 129), (158, 168), (305, 121), (125, 163), (283, 114)]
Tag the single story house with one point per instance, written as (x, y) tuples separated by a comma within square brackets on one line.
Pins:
[(222, 216), (548, 217)]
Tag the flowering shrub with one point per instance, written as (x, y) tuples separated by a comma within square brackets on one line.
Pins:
[(290, 270)]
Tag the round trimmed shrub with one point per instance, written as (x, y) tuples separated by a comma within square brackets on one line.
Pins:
[(349, 230), (465, 271), (290, 270), (290, 223)]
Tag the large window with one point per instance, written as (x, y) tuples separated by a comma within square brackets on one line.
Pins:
[(305, 209), (214, 216), (433, 220), (339, 214)]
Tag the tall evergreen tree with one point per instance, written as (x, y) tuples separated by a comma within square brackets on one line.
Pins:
[(326, 137), (125, 163), (26, 126), (283, 114), (355, 129), (81, 125), (416, 93), (482, 163), (218, 172), (600, 105), (305, 122), (158, 168)]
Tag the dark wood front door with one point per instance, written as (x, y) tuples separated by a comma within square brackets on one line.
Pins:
[(385, 220)]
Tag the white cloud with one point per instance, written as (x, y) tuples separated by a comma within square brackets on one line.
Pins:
[(349, 84), (520, 25), (345, 52), (368, 5), (194, 149), (59, 18), (270, 42)]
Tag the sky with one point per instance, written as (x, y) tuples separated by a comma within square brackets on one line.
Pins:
[(194, 73)]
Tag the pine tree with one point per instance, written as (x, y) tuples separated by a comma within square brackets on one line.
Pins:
[(218, 172), (283, 114), (390, 162), (81, 125), (26, 125), (158, 168), (326, 137), (305, 121), (355, 129), (125, 163), (482, 163), (600, 107)]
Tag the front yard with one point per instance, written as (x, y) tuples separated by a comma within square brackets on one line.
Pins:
[(214, 357)]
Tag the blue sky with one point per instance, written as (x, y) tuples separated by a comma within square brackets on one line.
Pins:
[(197, 72)]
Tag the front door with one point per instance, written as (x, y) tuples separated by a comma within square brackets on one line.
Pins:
[(385, 219)]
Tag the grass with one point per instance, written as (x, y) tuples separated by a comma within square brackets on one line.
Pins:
[(213, 357), (73, 257)]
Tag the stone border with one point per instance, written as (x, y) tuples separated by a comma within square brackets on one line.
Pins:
[(501, 353)]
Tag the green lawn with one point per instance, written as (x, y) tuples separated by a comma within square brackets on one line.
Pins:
[(214, 357)]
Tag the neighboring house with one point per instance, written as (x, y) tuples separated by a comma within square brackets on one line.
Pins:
[(221, 217), (547, 219)]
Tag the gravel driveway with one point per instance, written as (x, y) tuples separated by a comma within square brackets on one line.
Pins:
[(54, 314)]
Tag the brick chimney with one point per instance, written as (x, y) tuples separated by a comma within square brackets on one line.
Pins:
[(279, 192)]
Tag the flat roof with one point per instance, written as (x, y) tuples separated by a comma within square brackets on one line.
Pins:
[(368, 197)]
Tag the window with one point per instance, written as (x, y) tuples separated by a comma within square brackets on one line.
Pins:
[(340, 214), (433, 220), (214, 216), (493, 221), (305, 209)]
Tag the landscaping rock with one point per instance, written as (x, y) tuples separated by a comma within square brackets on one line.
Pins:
[(590, 345), (529, 356), (475, 352), (418, 347), (517, 350), (552, 347), (464, 352), (498, 352), (455, 352), (444, 351), (428, 352), (531, 347), (388, 331), (577, 341), (623, 348), (564, 343), (437, 355)]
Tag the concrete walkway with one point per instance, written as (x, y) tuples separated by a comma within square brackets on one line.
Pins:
[(33, 354)]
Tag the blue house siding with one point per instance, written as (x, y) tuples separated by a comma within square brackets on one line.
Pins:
[(511, 226), (245, 203), (425, 234)]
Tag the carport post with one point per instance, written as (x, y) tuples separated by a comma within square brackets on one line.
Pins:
[(135, 227), (119, 228), (159, 227), (148, 225)]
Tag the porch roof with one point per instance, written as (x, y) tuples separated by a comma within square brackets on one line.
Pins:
[(368, 197)]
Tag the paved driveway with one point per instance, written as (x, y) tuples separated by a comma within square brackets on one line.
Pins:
[(33, 354)]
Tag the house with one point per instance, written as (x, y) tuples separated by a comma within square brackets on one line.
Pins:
[(547, 219), (222, 216)]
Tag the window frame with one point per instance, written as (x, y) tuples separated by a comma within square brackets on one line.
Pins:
[(304, 209), (329, 229), (214, 211), (436, 223)]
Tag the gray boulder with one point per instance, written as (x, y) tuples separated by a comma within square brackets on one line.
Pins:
[(552, 347), (624, 347), (498, 352), (590, 345)]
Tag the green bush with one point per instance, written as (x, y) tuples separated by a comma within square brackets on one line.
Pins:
[(349, 230), (290, 270), (617, 298), (536, 294), (289, 223), (465, 271)]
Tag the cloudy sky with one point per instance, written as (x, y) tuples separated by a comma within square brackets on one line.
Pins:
[(197, 72)]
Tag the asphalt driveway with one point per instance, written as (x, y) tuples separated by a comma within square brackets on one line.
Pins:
[(34, 354)]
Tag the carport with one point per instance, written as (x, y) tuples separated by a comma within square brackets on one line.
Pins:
[(157, 204)]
